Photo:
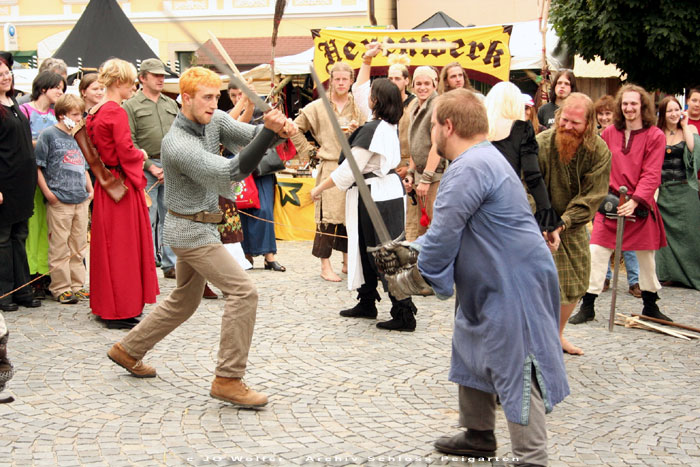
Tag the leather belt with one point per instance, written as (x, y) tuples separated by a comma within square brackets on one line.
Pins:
[(201, 216)]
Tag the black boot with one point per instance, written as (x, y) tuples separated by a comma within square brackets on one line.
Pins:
[(587, 310), (402, 316), (366, 308), (651, 309), (473, 443)]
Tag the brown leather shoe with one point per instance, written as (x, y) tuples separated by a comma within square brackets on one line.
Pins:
[(635, 291), (169, 274), (235, 391), (209, 293), (136, 367), (606, 285)]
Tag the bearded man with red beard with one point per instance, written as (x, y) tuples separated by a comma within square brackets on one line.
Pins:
[(575, 165)]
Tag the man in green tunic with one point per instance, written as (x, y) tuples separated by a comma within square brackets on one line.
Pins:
[(575, 165)]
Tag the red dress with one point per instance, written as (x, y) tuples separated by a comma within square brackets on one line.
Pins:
[(638, 167), (122, 266)]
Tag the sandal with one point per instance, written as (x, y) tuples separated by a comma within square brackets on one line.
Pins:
[(275, 266)]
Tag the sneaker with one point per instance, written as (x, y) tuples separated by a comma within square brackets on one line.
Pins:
[(67, 298), (82, 294)]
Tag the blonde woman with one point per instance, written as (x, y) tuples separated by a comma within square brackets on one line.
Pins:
[(122, 270), (515, 139)]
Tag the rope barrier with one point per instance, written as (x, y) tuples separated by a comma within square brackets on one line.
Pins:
[(68, 258), (292, 226)]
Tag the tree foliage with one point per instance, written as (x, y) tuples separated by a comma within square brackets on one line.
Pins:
[(656, 42)]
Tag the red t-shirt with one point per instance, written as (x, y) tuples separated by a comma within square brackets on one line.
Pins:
[(695, 122)]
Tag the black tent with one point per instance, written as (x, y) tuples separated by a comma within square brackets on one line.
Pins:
[(102, 32), (439, 20)]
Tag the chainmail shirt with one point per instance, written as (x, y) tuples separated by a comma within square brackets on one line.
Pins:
[(195, 174)]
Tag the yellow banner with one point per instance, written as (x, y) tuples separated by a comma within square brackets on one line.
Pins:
[(484, 52), (294, 209)]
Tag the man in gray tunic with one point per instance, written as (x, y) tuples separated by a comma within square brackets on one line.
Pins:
[(485, 242), (195, 176)]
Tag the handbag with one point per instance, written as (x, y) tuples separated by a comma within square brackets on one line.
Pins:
[(248, 198)]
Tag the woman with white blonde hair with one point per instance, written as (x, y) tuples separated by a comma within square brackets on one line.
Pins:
[(122, 271), (515, 139)]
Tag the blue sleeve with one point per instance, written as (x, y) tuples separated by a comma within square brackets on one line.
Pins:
[(462, 191)]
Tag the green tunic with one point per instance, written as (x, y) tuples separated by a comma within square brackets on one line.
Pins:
[(576, 190)]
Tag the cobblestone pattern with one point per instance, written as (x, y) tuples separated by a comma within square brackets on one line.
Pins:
[(342, 392)]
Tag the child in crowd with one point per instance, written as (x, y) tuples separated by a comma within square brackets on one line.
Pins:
[(64, 181)]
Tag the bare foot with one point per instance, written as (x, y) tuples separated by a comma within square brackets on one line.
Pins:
[(345, 268), (330, 276), (569, 348)]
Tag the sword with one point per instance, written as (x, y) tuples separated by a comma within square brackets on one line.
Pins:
[(254, 98), (618, 256), (374, 216)]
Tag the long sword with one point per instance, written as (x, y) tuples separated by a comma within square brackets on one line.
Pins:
[(255, 99), (374, 216), (618, 256)]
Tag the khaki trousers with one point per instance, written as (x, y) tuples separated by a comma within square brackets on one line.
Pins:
[(194, 267), (67, 226), (600, 258), (413, 213), (477, 410)]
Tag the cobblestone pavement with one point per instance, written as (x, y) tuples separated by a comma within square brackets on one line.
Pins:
[(341, 391)]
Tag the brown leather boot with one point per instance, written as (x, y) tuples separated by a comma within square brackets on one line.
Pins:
[(235, 391), (136, 367)]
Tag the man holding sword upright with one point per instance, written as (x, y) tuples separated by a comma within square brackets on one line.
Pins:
[(637, 147)]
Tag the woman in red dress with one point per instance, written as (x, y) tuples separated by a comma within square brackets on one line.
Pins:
[(122, 272)]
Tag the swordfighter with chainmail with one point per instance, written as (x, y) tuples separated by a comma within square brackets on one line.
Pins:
[(195, 176)]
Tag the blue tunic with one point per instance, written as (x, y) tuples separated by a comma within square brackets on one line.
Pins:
[(484, 239)]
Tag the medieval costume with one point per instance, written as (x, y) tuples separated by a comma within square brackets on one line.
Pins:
[(575, 190), (485, 241), (330, 211), (636, 164), (419, 146), (122, 271), (679, 206), (375, 147)]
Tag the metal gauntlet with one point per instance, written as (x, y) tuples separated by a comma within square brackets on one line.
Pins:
[(408, 282)]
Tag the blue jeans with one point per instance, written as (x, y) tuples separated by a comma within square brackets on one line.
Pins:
[(632, 266), (157, 215)]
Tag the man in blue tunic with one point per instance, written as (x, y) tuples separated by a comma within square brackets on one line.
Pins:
[(484, 240)]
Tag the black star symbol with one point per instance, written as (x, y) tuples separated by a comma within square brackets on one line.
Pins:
[(290, 195)]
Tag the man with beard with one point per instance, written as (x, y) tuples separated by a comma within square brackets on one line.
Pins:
[(330, 210), (637, 147), (564, 84), (453, 76), (485, 242), (575, 166)]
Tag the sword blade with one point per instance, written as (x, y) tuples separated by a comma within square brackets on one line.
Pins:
[(374, 216), (618, 255), (254, 98)]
